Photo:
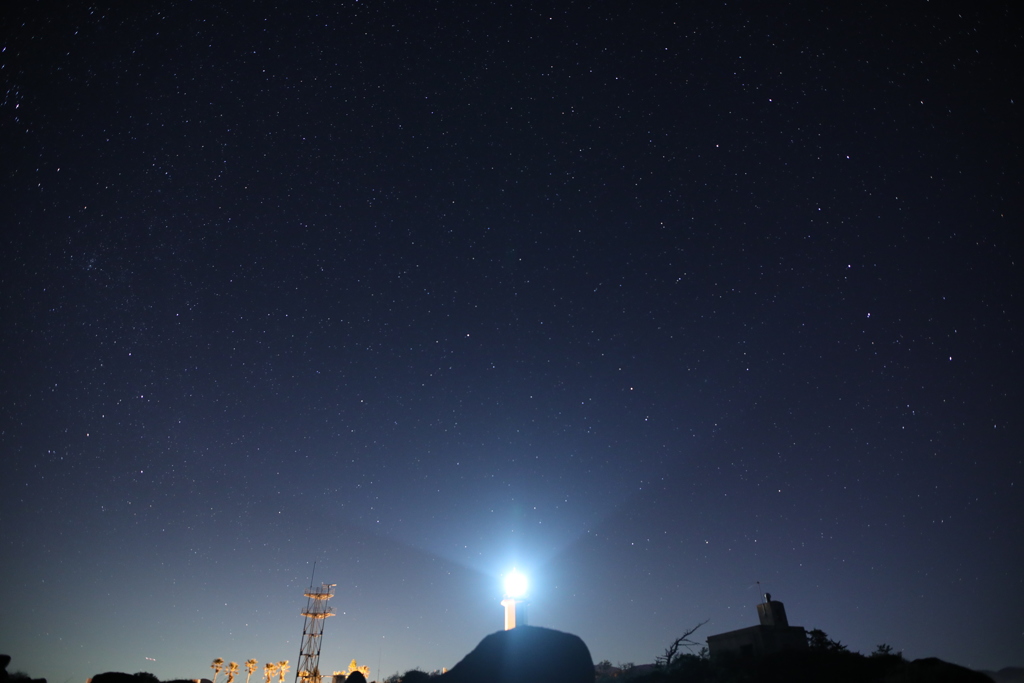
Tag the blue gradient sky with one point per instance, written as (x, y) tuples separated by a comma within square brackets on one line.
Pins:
[(653, 302)]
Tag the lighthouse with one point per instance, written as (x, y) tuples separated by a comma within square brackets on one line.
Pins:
[(515, 600)]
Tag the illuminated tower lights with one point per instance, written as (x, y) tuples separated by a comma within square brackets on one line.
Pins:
[(316, 612), (515, 601)]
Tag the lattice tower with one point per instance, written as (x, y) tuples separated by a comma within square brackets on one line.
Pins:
[(316, 612)]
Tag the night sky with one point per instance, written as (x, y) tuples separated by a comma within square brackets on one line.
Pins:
[(653, 301)]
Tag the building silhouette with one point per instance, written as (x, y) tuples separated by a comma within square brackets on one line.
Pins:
[(773, 634)]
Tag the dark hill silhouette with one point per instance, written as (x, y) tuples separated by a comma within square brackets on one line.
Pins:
[(525, 654), (119, 677), (1009, 674), (21, 678), (934, 670), (113, 677)]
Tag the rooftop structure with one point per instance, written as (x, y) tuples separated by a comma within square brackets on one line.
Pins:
[(773, 634)]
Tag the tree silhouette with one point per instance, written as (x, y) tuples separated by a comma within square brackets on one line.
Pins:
[(415, 676), (672, 653), (217, 665), (250, 668), (885, 650), (819, 640)]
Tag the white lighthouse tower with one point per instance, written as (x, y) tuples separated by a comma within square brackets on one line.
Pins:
[(515, 600)]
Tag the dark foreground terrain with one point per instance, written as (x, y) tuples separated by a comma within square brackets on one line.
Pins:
[(539, 655), (804, 667)]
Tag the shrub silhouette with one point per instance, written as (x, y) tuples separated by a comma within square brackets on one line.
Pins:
[(812, 666)]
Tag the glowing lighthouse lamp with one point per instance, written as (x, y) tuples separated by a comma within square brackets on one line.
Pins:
[(515, 601)]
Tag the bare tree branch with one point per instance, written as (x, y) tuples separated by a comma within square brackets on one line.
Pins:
[(672, 653)]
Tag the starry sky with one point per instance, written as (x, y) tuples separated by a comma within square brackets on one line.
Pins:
[(664, 304)]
